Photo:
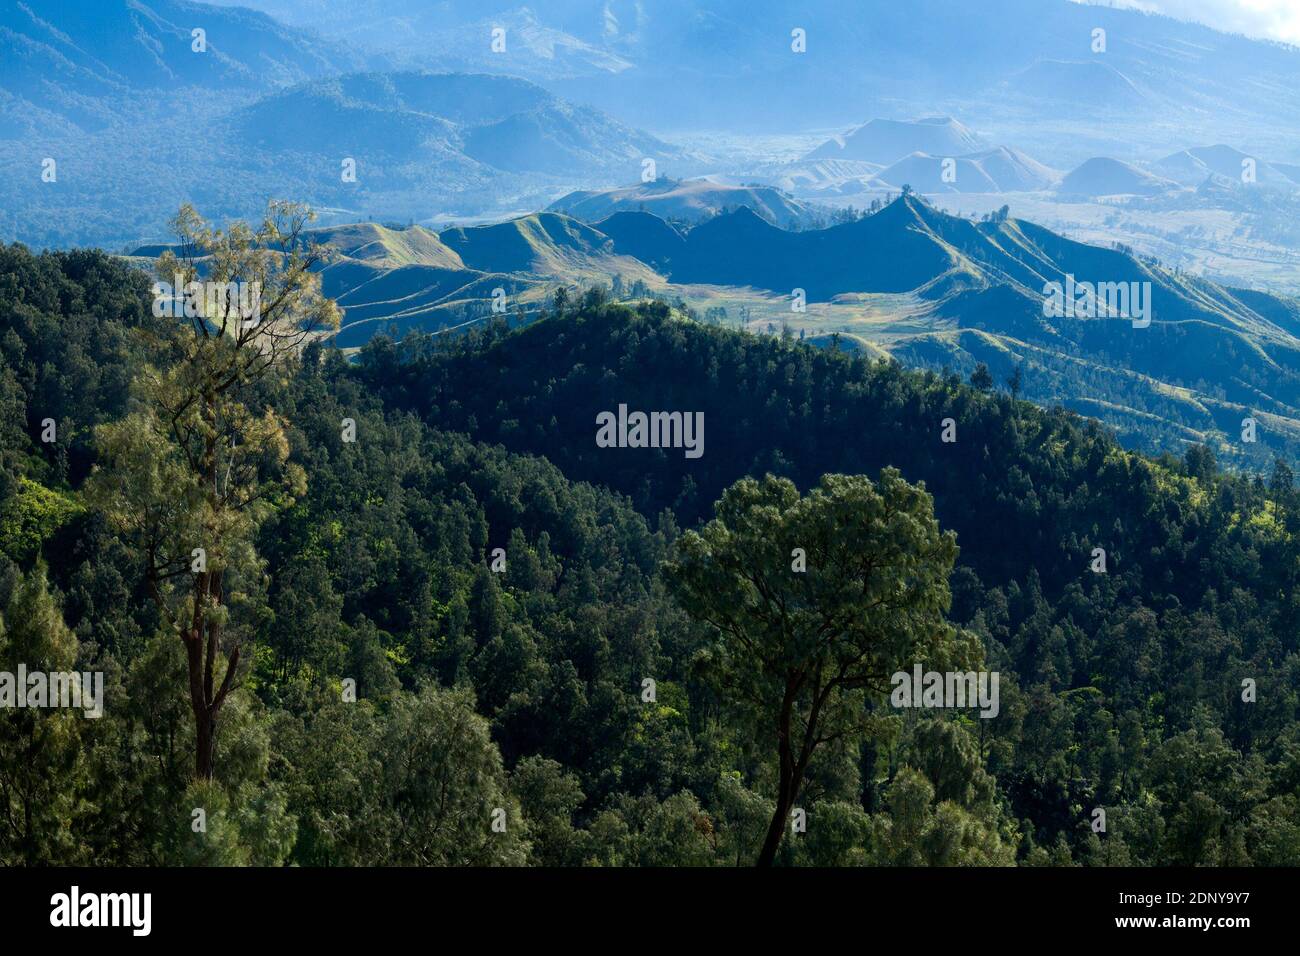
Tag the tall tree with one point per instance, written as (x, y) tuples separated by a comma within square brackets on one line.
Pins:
[(202, 459), (816, 602), (42, 769)]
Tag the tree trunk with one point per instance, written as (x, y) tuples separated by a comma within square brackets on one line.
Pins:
[(203, 705), (788, 784), (775, 831), (204, 744), (198, 704)]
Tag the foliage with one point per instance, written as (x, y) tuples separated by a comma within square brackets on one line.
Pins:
[(522, 689)]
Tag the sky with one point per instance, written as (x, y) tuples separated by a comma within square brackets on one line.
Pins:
[(1269, 19)]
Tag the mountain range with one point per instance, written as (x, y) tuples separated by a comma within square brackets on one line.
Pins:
[(647, 63), (394, 280), (910, 281), (254, 107), (354, 145), (509, 124), (403, 88), (938, 155), (996, 170), (1195, 165), (1212, 355)]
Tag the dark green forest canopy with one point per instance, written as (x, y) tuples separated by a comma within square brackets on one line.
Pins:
[(1026, 489), (523, 689)]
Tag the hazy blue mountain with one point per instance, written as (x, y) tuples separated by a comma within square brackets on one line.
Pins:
[(690, 200), (72, 58), (133, 116), (561, 138), (1089, 85), (342, 116), (542, 41), (1103, 176), (502, 122), (1193, 166), (826, 177), (422, 144), (648, 63), (886, 141), (996, 170), (123, 71)]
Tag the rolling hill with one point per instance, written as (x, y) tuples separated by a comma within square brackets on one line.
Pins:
[(930, 289), (1103, 176), (688, 200), (1194, 166), (401, 280), (876, 254), (996, 170), (969, 291), (543, 244), (393, 280), (824, 177), (381, 246)]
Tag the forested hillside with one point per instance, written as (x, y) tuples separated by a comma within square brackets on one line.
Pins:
[(501, 712), (1121, 676)]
